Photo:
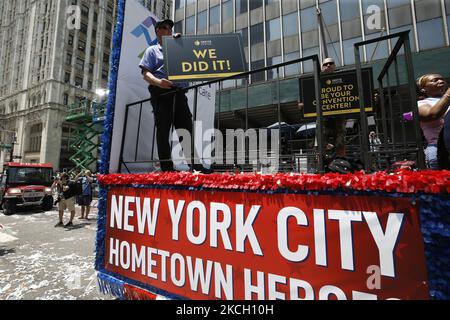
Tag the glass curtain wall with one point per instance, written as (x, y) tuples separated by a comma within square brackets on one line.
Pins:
[(275, 31)]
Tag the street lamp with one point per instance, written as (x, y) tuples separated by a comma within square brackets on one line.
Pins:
[(101, 92)]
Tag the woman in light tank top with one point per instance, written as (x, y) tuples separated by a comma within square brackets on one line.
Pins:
[(432, 110)]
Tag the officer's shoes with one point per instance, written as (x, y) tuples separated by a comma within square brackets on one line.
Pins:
[(202, 169)]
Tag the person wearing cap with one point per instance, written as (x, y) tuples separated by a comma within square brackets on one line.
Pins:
[(66, 198), (165, 113), (334, 127)]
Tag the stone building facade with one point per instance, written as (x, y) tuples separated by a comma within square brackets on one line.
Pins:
[(49, 60)]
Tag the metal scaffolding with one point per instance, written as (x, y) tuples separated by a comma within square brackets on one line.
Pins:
[(87, 120)]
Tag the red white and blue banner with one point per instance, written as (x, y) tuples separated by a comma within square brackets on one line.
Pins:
[(240, 245), (280, 236), (283, 236)]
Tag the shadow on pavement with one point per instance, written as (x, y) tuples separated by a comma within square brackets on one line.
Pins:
[(77, 226), (4, 252)]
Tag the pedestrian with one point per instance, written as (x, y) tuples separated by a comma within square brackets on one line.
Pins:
[(334, 127), (374, 144), (165, 112), (85, 198), (374, 141), (66, 198), (433, 106)]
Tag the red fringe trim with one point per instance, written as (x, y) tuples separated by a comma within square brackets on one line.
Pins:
[(405, 181), (135, 293)]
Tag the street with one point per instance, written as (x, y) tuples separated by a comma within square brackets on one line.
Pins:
[(41, 262)]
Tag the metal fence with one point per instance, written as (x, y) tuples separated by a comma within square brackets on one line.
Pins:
[(400, 140), (396, 146), (287, 162)]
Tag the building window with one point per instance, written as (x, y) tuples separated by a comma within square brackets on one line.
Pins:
[(397, 3), (431, 34), (67, 77), (254, 4), (68, 59), (272, 73), (308, 19), (190, 25), (244, 34), (79, 100), (329, 11), (256, 34), (81, 45), (79, 82), (273, 29), (349, 53), (179, 4), (411, 37), (65, 99), (259, 76), (105, 58), (227, 10), (35, 138), (83, 28), (70, 40), (241, 6), (214, 15), (84, 10), (290, 25), (292, 69), (349, 10), (429, 24), (79, 64), (308, 65), (351, 24), (202, 20), (178, 28)]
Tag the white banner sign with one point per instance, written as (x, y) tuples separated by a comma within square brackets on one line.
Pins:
[(138, 147)]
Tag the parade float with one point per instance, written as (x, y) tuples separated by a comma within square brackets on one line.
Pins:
[(236, 236)]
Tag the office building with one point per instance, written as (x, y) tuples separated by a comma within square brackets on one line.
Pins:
[(49, 61), (275, 31)]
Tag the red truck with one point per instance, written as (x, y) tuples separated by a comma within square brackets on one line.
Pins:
[(26, 185)]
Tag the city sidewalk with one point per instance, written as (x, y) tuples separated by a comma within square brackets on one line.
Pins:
[(39, 261)]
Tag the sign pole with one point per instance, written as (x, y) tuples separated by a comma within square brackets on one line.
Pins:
[(362, 108), (194, 117), (319, 118)]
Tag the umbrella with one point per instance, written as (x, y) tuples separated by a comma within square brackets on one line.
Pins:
[(306, 127), (307, 130), (277, 124)]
